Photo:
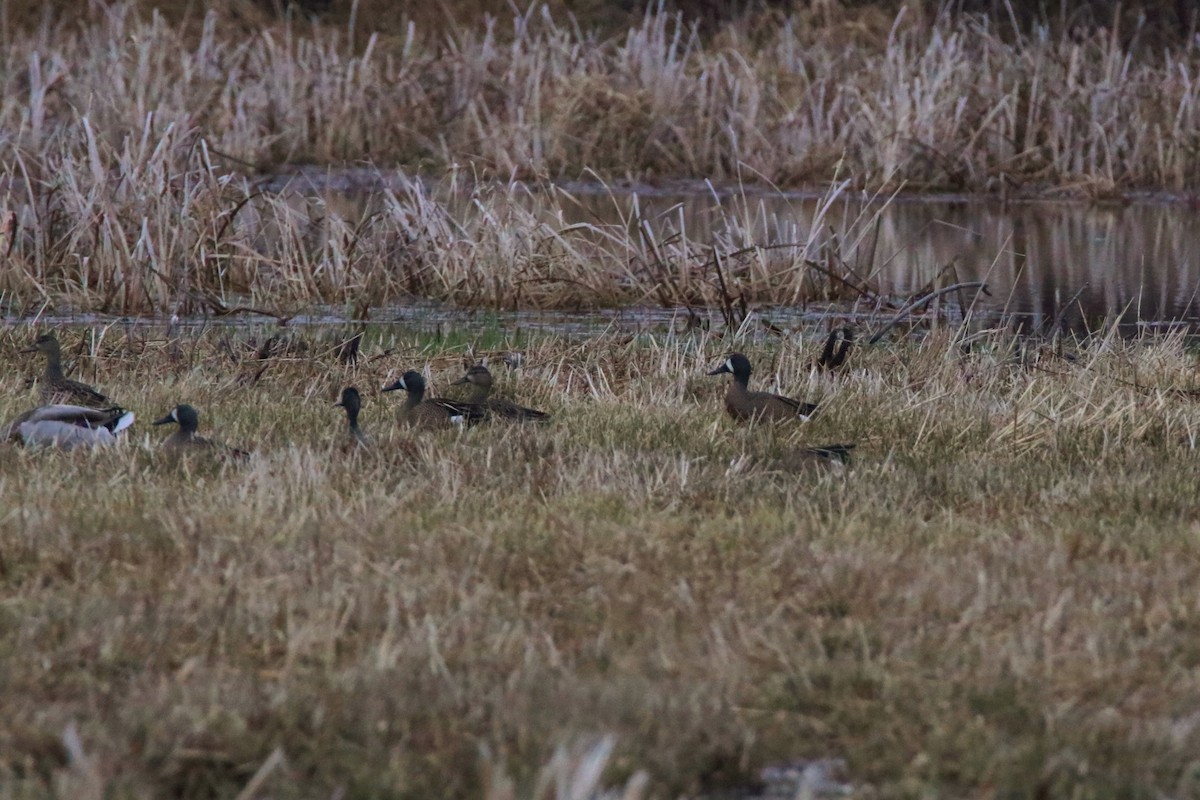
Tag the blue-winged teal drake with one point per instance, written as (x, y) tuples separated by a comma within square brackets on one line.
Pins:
[(479, 379), (837, 348), (823, 455), (351, 403), (432, 412), (67, 426), (186, 440), (747, 406), (56, 388)]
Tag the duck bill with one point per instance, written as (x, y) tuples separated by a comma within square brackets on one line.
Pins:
[(461, 381), (167, 420), (721, 370), (392, 387)]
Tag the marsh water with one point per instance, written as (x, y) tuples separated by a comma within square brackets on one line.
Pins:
[(1081, 266), (1072, 266)]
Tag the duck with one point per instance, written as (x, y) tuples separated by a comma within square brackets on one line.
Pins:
[(747, 406), (479, 379), (351, 402), (432, 412), (68, 426), (837, 348), (835, 456), (56, 388), (185, 439)]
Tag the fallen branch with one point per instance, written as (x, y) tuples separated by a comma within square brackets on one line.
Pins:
[(908, 309)]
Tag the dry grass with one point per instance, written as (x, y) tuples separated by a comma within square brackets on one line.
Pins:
[(927, 101), (125, 187), (997, 600), (198, 242)]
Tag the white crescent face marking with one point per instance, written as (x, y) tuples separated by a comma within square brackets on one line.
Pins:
[(729, 364), (175, 413), (403, 385)]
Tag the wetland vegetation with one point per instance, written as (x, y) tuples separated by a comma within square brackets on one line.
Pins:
[(999, 592), (637, 598)]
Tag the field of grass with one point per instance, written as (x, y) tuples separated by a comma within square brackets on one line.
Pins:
[(131, 171), (998, 598), (641, 599), (804, 98)]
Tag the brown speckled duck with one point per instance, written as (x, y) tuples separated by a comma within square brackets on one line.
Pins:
[(56, 388), (479, 379)]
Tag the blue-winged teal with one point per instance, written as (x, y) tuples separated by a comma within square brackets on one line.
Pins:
[(56, 388), (68, 426), (432, 412), (822, 455), (745, 405), (351, 402), (479, 379), (837, 348), (185, 439)]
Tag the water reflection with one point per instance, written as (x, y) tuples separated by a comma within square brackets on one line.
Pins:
[(1087, 266), (1083, 266)]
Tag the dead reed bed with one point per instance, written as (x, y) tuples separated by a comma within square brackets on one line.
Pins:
[(152, 236), (996, 599), (921, 100)]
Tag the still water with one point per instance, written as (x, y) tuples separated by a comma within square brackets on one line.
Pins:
[(1085, 266)]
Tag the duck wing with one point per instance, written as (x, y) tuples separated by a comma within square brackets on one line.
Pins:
[(112, 420), (803, 410), (67, 389), (839, 452), (64, 435), (469, 413), (508, 410)]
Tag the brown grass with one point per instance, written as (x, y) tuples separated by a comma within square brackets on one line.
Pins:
[(925, 101), (998, 599), (128, 185), (84, 243)]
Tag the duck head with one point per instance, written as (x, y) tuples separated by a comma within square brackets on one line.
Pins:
[(736, 365), (478, 375), (411, 382), (46, 343), (184, 415)]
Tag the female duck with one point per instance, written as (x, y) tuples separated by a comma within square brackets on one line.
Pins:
[(56, 387), (479, 379)]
